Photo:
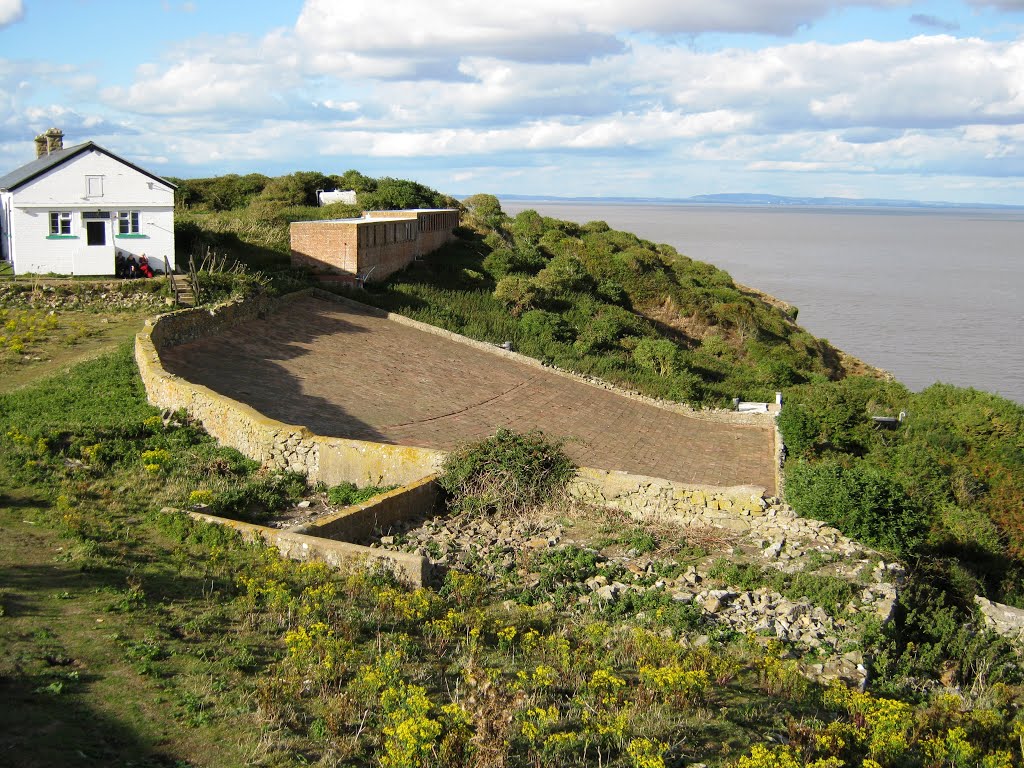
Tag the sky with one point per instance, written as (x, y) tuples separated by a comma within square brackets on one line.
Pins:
[(899, 99)]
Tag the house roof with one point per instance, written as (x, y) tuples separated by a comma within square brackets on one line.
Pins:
[(41, 165)]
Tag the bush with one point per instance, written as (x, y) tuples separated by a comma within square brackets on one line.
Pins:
[(524, 257), (606, 329), (658, 355), (485, 211), (858, 499), (509, 472), (517, 293), (939, 630), (564, 274), (545, 326)]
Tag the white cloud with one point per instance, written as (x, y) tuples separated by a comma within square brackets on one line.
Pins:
[(922, 82), (538, 30), (230, 76), (611, 133), (479, 87), (10, 12)]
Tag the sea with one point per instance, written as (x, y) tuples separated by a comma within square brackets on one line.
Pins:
[(928, 294)]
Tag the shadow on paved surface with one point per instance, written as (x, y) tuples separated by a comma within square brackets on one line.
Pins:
[(247, 365)]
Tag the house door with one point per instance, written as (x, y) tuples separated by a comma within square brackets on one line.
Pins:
[(96, 257), (96, 233)]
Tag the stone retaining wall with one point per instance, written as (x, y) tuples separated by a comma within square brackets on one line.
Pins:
[(739, 508), (409, 568), (358, 522)]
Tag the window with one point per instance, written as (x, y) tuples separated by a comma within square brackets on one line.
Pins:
[(60, 222), (94, 186), (127, 222)]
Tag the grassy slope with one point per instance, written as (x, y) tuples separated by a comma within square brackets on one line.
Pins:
[(77, 337), (91, 589), (142, 637)]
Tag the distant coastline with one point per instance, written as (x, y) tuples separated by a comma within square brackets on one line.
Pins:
[(762, 200)]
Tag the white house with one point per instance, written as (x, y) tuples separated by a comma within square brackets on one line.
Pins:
[(71, 211)]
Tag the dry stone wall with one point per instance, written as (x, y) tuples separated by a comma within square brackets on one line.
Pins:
[(739, 509), (63, 295)]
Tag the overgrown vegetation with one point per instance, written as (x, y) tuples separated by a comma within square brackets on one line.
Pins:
[(944, 489), (239, 657), (507, 472), (347, 494)]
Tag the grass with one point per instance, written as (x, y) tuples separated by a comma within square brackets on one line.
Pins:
[(75, 691), (6, 270), (71, 339), (129, 635), (348, 494)]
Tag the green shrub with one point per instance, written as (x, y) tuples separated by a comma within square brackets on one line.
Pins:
[(523, 258), (347, 494), (518, 293), (860, 500), (564, 274), (606, 328), (545, 326), (506, 472), (939, 631), (658, 355)]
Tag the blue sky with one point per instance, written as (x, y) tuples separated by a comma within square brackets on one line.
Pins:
[(652, 98)]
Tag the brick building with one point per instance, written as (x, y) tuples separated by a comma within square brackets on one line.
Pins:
[(374, 246)]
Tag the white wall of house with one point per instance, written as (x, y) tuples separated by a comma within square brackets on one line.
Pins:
[(93, 188)]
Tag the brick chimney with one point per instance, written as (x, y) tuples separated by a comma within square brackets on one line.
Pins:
[(50, 141)]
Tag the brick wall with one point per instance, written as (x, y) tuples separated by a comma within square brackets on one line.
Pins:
[(373, 247), (325, 246)]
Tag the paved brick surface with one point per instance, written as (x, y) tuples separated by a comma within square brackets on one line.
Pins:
[(344, 373)]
